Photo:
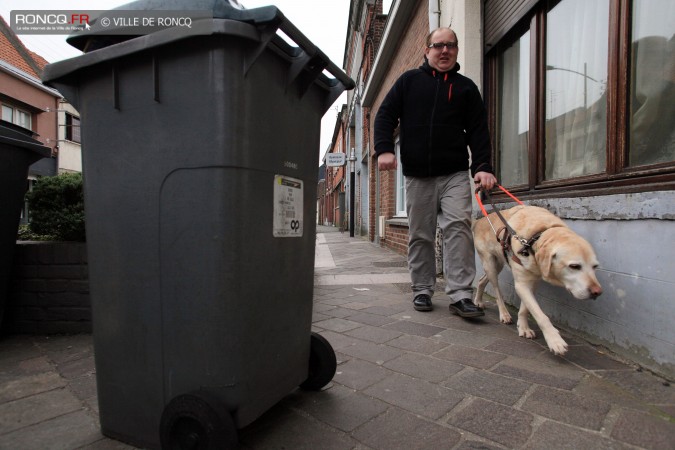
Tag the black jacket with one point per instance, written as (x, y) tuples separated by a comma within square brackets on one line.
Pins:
[(440, 113)]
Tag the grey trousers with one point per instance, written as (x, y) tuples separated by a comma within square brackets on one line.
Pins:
[(446, 199)]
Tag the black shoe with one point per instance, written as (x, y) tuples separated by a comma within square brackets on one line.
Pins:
[(466, 308), (422, 302)]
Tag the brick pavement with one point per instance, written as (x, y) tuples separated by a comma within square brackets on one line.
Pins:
[(404, 379)]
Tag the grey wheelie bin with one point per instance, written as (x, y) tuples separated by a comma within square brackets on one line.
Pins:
[(18, 150), (200, 161)]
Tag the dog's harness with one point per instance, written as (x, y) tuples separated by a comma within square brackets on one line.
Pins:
[(505, 233)]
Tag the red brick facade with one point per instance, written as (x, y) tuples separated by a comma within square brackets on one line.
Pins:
[(409, 55)]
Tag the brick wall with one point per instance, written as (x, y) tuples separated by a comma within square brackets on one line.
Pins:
[(50, 289), (410, 54)]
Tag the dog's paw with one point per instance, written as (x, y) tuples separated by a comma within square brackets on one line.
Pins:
[(505, 318), (527, 333), (557, 345)]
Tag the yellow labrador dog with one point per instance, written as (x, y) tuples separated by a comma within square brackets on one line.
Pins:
[(543, 247)]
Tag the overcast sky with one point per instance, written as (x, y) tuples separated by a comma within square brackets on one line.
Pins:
[(324, 22)]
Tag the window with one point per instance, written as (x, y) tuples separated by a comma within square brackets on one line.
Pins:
[(17, 116), (72, 128), (8, 113), (652, 86), (513, 128), (400, 183), (581, 95), (576, 73)]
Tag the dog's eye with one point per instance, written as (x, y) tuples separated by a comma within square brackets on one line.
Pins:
[(575, 266)]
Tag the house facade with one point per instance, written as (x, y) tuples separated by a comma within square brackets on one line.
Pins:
[(580, 104), (28, 103)]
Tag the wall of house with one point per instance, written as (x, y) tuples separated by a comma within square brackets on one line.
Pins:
[(410, 54), (44, 123), (632, 235)]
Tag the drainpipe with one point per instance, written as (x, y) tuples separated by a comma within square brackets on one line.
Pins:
[(434, 14)]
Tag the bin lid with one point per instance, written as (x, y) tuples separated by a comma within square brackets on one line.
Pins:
[(20, 137), (258, 24), (96, 37)]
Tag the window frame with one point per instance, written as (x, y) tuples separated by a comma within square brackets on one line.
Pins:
[(16, 112), (618, 177), (69, 134)]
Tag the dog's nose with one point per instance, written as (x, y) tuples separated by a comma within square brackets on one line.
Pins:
[(595, 291)]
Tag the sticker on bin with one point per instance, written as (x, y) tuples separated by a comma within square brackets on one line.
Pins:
[(287, 207)]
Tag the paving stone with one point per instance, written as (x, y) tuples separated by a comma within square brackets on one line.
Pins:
[(17, 348), (417, 396), (385, 310), (318, 317), (280, 428), (477, 325), (84, 387), (377, 353), (424, 367), (339, 341), (427, 317), (592, 359), (356, 305), (607, 391), (417, 344), (337, 325), (77, 368), (36, 408), (644, 430), (466, 338), (370, 319), (494, 421), (476, 445), (61, 349), (400, 429), (66, 432), (551, 435), (469, 356), (373, 334), (488, 386), (539, 373), (414, 328), (643, 385), (567, 407), (341, 407), (108, 444), (24, 386), (339, 312), (24, 367), (521, 348), (321, 308), (358, 374)]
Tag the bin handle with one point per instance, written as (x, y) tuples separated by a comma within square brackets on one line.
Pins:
[(268, 29)]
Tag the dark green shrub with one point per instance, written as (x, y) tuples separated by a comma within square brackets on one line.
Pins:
[(56, 206)]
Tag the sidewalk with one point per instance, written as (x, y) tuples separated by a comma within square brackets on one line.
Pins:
[(405, 379)]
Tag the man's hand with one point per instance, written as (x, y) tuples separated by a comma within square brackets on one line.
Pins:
[(485, 180), (386, 161)]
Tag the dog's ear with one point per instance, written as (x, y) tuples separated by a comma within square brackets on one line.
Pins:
[(545, 256)]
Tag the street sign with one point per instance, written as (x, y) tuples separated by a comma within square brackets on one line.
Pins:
[(335, 159)]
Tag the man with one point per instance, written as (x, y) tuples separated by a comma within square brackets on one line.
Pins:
[(440, 113)]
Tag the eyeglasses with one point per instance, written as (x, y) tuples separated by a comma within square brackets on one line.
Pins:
[(440, 45)]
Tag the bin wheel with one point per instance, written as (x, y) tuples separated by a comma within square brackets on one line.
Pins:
[(322, 363), (197, 421)]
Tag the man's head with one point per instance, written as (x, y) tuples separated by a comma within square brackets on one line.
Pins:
[(442, 57)]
